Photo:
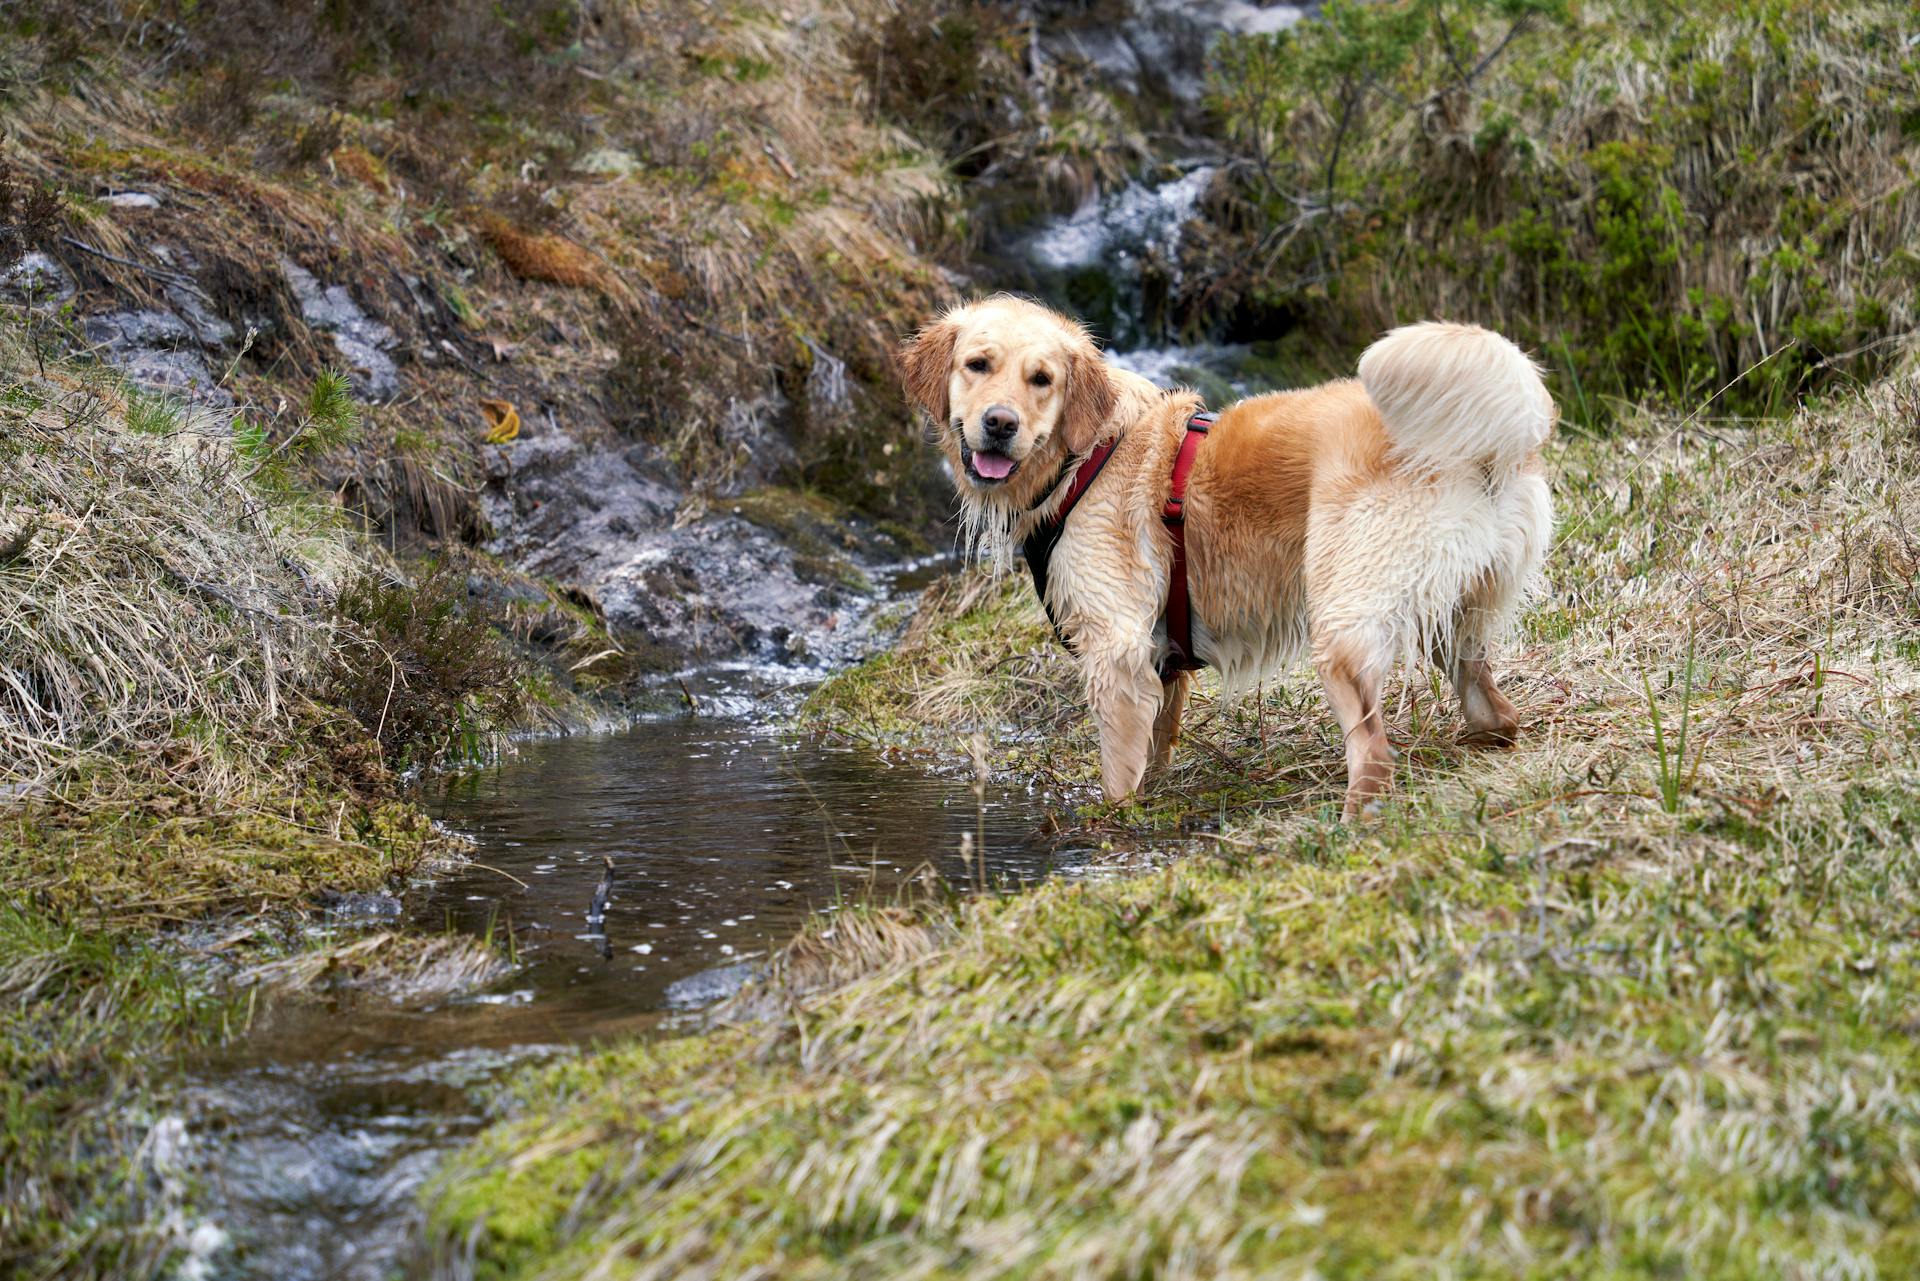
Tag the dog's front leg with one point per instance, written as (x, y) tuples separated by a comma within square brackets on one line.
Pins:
[(1123, 691)]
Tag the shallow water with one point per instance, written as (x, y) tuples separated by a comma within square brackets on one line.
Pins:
[(313, 1133)]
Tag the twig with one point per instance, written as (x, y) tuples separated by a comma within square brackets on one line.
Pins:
[(160, 272)]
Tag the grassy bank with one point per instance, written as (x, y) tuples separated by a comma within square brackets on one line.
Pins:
[(1633, 999), (181, 774)]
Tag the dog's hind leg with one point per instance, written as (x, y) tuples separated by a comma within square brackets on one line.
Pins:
[(1166, 726), (1353, 688), (1491, 718)]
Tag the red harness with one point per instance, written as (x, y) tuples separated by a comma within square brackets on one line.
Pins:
[(1038, 548), (1180, 655)]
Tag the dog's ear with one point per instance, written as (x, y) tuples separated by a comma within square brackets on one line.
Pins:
[(1090, 399), (926, 367)]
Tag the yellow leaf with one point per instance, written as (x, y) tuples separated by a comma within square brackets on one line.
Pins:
[(503, 421)]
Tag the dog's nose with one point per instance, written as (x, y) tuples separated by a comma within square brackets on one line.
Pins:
[(999, 423)]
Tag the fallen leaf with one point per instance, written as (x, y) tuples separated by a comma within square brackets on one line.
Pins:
[(503, 421)]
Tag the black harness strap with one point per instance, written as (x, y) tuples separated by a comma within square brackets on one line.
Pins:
[(1038, 546)]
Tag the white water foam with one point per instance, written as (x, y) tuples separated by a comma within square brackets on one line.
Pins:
[(1114, 227)]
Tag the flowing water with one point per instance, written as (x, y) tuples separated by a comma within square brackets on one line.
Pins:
[(1115, 263), (315, 1130)]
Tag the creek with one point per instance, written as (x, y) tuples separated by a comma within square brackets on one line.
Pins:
[(313, 1132), (307, 1139)]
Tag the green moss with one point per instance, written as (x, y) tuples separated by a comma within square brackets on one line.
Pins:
[(820, 532)]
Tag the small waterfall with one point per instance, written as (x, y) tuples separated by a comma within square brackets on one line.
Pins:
[(1115, 261)]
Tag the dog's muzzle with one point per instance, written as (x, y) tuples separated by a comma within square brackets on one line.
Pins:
[(992, 464)]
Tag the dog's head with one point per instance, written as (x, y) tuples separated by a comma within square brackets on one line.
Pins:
[(1014, 388)]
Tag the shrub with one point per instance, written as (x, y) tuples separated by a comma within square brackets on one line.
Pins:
[(1656, 197), (28, 216), (428, 676)]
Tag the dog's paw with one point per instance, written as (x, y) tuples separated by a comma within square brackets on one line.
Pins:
[(1490, 738), (1365, 813)]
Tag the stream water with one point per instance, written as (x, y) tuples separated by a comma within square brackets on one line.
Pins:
[(318, 1127)]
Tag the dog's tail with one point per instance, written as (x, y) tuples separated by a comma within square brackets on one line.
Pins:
[(1457, 396)]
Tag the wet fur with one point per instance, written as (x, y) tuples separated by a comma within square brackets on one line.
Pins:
[(1360, 523)]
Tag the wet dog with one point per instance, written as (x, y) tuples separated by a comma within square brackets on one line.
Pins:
[(1404, 513)]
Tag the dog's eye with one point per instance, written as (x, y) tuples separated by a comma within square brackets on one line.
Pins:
[(1042, 379), (978, 364)]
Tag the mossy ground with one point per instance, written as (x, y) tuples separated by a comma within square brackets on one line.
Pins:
[(1570, 1010)]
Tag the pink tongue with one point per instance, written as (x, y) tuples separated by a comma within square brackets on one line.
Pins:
[(993, 466)]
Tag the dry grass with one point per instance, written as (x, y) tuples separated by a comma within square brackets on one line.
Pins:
[(165, 622), (387, 965), (1532, 1021), (543, 256), (161, 614), (857, 943)]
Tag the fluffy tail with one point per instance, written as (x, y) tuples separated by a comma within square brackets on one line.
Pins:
[(1457, 396)]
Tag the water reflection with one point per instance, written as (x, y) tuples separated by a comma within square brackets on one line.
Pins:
[(721, 840)]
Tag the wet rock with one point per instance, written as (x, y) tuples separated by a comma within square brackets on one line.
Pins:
[(159, 351), (709, 584), (708, 986), (37, 280), (501, 592), (364, 343), (350, 905), (1161, 45), (195, 309)]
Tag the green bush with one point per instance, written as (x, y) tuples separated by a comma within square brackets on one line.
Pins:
[(1660, 199), (425, 673)]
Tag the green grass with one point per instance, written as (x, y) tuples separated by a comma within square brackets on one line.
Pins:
[(1542, 1018), (1665, 200), (82, 1014)]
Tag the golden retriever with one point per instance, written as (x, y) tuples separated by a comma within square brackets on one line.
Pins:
[(1401, 513)]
